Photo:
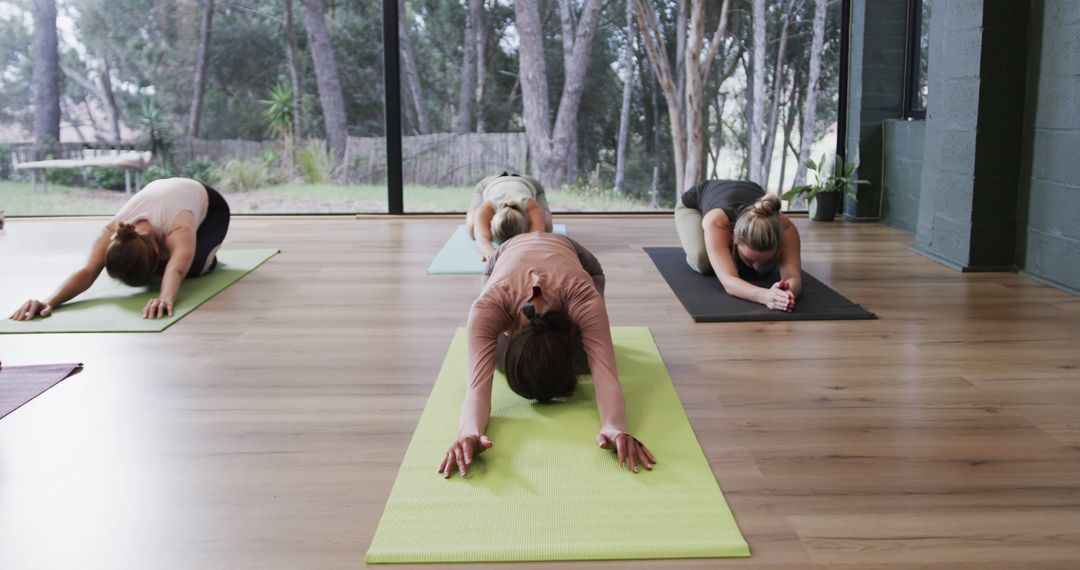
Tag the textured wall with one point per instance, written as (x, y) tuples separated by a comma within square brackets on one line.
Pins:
[(875, 88), (1050, 243), (948, 177), (902, 174)]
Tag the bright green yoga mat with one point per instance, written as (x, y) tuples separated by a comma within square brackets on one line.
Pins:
[(460, 256), (545, 491), (111, 306)]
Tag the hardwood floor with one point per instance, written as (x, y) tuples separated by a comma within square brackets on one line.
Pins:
[(265, 429)]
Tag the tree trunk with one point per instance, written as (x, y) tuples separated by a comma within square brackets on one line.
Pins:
[(628, 68), (686, 103), (109, 99), (90, 116), (46, 74), (655, 187), (547, 144), (67, 114), (566, 20), (680, 61), (695, 90), (201, 61), (480, 21), (789, 123), (806, 139), (412, 75), (779, 83), (467, 92), (757, 87), (326, 76), (294, 70)]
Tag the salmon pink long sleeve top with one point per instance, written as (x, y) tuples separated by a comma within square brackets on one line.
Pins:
[(548, 264)]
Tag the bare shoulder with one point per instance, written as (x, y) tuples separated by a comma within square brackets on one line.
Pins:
[(716, 218), (786, 224)]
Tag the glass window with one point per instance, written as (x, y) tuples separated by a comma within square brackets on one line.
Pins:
[(486, 85), (918, 56), (282, 111), (588, 96)]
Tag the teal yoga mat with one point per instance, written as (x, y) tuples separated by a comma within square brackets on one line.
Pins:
[(545, 491), (460, 256), (111, 306)]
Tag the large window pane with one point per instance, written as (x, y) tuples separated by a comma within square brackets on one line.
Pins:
[(291, 115), (474, 75)]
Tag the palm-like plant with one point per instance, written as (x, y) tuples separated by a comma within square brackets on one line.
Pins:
[(840, 180), (278, 114), (159, 133)]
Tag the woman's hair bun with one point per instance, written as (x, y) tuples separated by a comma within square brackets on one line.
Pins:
[(125, 231), (767, 206)]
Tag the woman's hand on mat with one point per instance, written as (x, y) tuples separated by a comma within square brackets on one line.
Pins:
[(157, 308), (779, 297), (631, 452), (31, 309), (461, 454)]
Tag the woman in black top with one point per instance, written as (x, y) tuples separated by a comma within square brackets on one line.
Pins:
[(728, 227)]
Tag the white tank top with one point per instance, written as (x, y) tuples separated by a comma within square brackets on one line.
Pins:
[(160, 201), (508, 190)]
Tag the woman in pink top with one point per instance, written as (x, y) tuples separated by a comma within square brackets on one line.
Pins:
[(546, 291), (172, 228)]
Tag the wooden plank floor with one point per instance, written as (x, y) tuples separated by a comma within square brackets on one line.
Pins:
[(265, 429)]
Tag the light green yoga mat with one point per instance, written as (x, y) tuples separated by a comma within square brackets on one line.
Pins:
[(111, 306), (460, 256), (545, 491)]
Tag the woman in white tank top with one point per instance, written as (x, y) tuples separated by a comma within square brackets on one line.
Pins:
[(504, 206), (173, 228)]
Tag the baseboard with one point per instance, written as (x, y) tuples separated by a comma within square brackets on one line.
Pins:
[(1050, 282), (860, 219), (961, 267)]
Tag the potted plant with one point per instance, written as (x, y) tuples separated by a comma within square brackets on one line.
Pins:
[(823, 196)]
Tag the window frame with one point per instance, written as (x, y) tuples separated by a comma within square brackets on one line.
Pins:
[(911, 108)]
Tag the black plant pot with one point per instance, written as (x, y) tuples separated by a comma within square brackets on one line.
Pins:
[(824, 206)]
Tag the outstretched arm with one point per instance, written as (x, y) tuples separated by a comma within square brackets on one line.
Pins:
[(591, 317), (790, 257), (76, 283), (718, 244), (181, 245), (486, 322), (482, 229)]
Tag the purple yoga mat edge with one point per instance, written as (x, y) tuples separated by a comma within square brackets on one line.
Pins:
[(56, 373)]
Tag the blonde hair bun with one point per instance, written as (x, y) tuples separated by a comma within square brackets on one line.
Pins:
[(767, 206)]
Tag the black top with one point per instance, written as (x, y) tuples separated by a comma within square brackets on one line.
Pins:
[(732, 196)]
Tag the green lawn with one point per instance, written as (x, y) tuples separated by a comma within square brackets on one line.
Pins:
[(17, 199)]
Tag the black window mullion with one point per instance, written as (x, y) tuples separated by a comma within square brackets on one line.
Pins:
[(392, 103)]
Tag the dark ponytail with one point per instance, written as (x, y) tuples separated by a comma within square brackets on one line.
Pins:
[(131, 256), (540, 356)]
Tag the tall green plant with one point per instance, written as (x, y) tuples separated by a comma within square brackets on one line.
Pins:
[(278, 114), (840, 180), (160, 136), (316, 162)]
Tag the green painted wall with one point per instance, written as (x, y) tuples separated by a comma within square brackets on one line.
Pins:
[(875, 93), (902, 172), (1048, 245), (974, 128), (991, 179)]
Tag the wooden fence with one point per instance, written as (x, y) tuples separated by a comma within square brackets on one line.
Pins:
[(188, 149), (443, 159)]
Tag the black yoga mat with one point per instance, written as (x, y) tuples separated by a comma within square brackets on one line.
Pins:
[(706, 301)]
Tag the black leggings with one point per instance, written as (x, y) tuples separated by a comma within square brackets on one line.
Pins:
[(210, 234)]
